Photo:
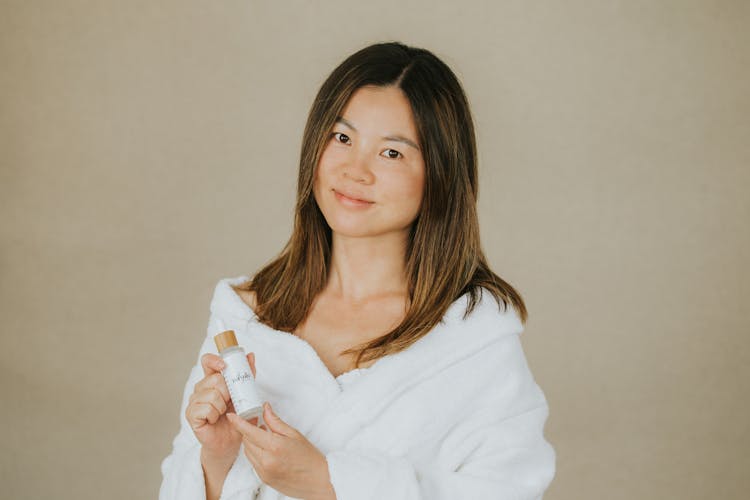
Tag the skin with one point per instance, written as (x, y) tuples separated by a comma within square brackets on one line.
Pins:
[(207, 415), (366, 272), (366, 294), (368, 246), (281, 456)]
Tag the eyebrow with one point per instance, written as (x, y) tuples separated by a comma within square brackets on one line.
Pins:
[(396, 138)]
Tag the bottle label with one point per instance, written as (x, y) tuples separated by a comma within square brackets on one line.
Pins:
[(240, 382)]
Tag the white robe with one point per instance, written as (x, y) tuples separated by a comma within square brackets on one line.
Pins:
[(457, 415)]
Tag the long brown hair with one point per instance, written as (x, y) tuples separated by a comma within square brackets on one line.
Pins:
[(444, 258)]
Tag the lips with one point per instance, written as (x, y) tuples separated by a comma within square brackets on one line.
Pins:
[(352, 196)]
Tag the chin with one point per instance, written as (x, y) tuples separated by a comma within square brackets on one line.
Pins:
[(353, 229)]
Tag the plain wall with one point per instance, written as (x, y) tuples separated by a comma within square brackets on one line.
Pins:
[(149, 149)]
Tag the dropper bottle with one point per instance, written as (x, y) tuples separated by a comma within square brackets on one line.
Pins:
[(239, 377)]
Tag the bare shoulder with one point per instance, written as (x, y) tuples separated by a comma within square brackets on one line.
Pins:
[(248, 297)]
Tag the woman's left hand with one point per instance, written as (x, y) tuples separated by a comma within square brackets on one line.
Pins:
[(283, 458)]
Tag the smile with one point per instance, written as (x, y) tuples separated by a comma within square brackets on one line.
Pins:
[(349, 202)]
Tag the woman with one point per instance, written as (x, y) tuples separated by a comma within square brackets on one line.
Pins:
[(387, 350)]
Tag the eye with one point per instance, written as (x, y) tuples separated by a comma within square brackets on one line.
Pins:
[(346, 137), (398, 154)]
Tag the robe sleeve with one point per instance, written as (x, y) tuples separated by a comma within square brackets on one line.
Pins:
[(497, 452), (182, 472)]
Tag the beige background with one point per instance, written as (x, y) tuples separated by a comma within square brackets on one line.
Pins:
[(148, 149)]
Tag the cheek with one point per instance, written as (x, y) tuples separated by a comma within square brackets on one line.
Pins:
[(321, 174), (318, 188), (419, 185), (407, 189), (417, 188), (415, 183), (325, 166)]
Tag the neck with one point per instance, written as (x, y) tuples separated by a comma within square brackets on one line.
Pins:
[(364, 268)]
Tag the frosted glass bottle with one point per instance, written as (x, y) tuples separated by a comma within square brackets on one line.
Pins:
[(239, 377)]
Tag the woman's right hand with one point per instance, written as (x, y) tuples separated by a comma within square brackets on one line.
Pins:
[(208, 406)]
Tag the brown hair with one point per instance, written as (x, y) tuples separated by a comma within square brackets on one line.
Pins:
[(444, 258)]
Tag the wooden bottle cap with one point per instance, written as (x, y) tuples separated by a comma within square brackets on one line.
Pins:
[(225, 340)]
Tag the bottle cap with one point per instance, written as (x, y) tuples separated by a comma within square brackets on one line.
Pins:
[(225, 340)]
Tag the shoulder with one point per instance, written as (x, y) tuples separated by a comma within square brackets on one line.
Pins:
[(247, 296), (483, 315), (231, 299)]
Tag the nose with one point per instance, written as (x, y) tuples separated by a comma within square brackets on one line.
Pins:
[(357, 169)]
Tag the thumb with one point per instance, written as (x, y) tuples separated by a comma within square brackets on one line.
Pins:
[(275, 423), (251, 361)]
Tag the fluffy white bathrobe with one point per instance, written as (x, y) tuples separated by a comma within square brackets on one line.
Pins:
[(457, 415)]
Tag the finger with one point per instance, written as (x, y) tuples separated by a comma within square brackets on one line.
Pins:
[(198, 414), (213, 381), (262, 438), (214, 397), (251, 360), (211, 363), (253, 421), (211, 412), (255, 453), (275, 423)]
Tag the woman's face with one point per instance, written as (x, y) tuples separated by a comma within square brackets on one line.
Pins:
[(372, 154)]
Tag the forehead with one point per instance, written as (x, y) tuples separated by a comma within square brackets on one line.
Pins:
[(380, 109)]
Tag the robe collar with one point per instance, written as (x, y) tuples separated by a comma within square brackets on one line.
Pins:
[(452, 340)]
